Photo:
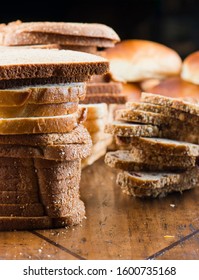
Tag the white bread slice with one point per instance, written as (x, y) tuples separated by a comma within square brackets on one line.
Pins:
[(20, 63), (33, 125), (95, 125), (95, 111), (42, 94)]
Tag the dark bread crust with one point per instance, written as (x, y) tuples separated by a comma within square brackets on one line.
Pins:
[(111, 87), (108, 98)]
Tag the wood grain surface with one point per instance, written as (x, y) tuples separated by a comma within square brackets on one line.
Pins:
[(117, 226)]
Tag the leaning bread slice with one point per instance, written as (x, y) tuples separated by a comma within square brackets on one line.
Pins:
[(130, 161), (175, 103), (95, 125), (161, 146), (40, 110), (42, 94), (79, 135), (20, 63), (166, 111), (95, 111), (143, 184), (131, 129), (33, 125)]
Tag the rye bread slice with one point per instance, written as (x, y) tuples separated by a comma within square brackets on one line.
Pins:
[(175, 103), (40, 110), (25, 223), (111, 87), (131, 130), (20, 63), (34, 125), (25, 33), (108, 98), (22, 210), (79, 135), (143, 184), (160, 146), (166, 111), (42, 94), (136, 161)]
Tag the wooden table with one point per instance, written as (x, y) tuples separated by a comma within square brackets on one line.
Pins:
[(117, 226)]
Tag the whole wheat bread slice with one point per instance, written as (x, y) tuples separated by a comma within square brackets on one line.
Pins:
[(79, 135), (157, 184), (166, 111), (42, 94), (18, 197), (129, 161), (131, 130), (175, 103), (33, 125), (161, 146), (27, 63), (23, 210)]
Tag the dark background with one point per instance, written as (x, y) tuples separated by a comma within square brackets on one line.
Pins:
[(174, 23)]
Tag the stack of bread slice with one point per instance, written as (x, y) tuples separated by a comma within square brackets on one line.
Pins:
[(158, 146), (42, 139)]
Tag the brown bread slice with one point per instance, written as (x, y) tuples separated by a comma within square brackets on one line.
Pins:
[(131, 130), (79, 135), (42, 94), (34, 125), (18, 197), (191, 108), (38, 82), (136, 161), (41, 110), (23, 210), (25, 33), (166, 111), (20, 63), (108, 98), (59, 152), (24, 223), (96, 88), (161, 146), (157, 184)]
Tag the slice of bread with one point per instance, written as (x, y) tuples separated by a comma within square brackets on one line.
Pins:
[(40, 110), (69, 33), (143, 184), (79, 135), (42, 94), (111, 87), (20, 63), (136, 161), (23, 210), (18, 197), (108, 98), (191, 108), (131, 130), (64, 123), (161, 146), (95, 125), (95, 111)]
